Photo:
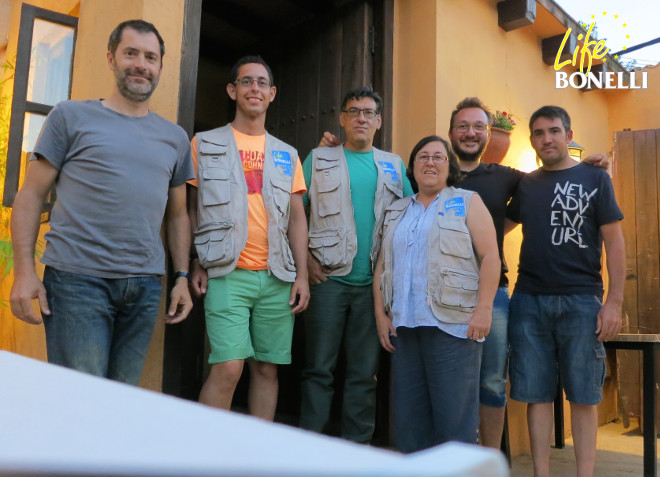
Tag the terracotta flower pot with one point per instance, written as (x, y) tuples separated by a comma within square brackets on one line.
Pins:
[(498, 146)]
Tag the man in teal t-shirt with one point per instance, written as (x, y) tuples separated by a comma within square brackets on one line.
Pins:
[(340, 315)]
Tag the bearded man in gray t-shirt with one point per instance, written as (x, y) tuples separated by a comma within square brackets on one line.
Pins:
[(117, 169)]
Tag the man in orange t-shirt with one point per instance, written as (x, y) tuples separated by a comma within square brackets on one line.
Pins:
[(249, 309)]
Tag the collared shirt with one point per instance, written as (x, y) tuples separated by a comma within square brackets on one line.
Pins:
[(410, 307)]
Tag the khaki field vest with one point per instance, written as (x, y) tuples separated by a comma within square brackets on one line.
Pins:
[(332, 233), (222, 210), (453, 269)]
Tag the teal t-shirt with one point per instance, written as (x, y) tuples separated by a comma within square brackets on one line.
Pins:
[(363, 177)]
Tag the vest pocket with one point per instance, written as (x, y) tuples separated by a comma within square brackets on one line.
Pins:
[(281, 194), (455, 239), (216, 186), (457, 288), (289, 262), (329, 200), (215, 243), (328, 246), (328, 181), (395, 190), (212, 149)]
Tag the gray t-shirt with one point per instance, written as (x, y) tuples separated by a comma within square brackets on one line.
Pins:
[(115, 172)]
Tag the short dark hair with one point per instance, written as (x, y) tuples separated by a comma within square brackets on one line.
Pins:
[(551, 112), (245, 60), (470, 102), (139, 26), (454, 170), (363, 92)]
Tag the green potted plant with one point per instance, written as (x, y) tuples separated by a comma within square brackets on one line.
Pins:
[(503, 120)]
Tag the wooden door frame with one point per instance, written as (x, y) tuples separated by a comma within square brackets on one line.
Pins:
[(181, 375), (383, 69)]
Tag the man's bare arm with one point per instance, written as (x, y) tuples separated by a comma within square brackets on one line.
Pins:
[(298, 239), (178, 239), (27, 286), (609, 318), (482, 231)]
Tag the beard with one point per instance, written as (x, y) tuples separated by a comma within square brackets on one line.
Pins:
[(468, 156), (135, 92)]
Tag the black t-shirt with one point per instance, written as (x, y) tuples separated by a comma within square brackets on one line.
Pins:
[(495, 185), (561, 213)]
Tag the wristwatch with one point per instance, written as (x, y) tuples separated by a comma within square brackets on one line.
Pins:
[(182, 274)]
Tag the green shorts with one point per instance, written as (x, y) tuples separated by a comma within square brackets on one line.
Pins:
[(248, 315)]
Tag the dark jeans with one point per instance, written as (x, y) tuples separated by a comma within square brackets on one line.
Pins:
[(435, 388), (100, 326), (340, 317)]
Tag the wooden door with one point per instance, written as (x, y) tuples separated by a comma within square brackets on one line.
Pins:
[(637, 187), (318, 51), (316, 65)]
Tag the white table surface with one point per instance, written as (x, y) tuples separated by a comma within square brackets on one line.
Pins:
[(55, 421)]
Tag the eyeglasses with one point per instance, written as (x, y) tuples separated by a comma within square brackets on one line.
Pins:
[(478, 128), (436, 158), (355, 112), (248, 81)]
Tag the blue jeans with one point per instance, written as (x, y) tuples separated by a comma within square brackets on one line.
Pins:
[(100, 326), (435, 388), (340, 318), (495, 354), (551, 335)]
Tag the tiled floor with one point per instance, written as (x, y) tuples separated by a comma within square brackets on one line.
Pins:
[(619, 454)]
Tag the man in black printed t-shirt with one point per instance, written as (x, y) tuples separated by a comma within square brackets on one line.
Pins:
[(557, 320)]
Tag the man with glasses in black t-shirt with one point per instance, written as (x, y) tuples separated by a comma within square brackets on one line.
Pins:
[(469, 133)]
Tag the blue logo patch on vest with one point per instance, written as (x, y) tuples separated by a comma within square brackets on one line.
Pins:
[(282, 160), (388, 168), (457, 205)]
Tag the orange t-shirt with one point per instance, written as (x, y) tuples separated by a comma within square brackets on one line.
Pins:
[(251, 148)]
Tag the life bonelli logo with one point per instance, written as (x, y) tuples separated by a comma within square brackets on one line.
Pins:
[(593, 49)]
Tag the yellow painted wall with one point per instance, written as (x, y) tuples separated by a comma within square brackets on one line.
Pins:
[(636, 109), (414, 110), (472, 56), (93, 79), (91, 76)]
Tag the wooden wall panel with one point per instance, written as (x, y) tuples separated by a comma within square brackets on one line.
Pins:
[(330, 87), (318, 64), (273, 116), (637, 185), (356, 62), (309, 66), (624, 184), (628, 362), (646, 201), (287, 100)]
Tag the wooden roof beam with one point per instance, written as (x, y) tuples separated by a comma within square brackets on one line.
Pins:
[(514, 14), (550, 47)]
